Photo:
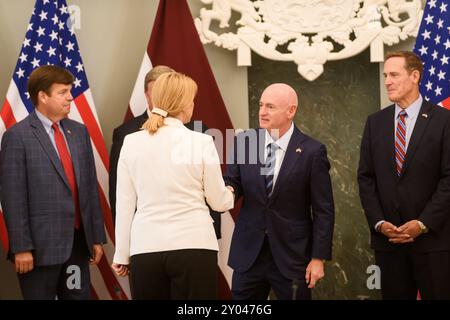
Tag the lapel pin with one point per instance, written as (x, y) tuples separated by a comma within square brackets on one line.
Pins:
[(424, 115), (298, 150), (69, 132)]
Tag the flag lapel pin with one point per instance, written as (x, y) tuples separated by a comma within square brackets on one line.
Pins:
[(298, 150), (424, 115)]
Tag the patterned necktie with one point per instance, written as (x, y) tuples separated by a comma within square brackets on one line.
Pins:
[(270, 167), (400, 141), (66, 161)]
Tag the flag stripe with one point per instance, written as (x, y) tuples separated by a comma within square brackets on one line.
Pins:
[(106, 215), (3, 233), (93, 128), (7, 116)]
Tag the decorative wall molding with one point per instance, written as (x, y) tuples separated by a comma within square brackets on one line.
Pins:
[(308, 32)]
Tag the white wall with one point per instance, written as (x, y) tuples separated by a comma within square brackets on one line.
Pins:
[(112, 39)]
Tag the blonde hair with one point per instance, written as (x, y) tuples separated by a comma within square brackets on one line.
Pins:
[(154, 74), (171, 92)]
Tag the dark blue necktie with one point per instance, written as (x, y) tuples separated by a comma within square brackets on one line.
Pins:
[(270, 167)]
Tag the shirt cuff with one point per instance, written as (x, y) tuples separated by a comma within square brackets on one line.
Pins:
[(378, 224)]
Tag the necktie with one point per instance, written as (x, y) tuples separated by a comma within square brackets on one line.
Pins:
[(270, 167), (400, 141), (66, 161)]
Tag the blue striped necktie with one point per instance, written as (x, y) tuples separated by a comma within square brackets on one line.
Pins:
[(270, 166), (400, 141)]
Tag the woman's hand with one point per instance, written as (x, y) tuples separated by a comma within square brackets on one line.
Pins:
[(121, 270)]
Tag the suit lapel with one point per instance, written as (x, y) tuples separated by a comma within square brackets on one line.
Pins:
[(388, 127), (293, 153), (422, 121), (69, 132), (44, 140)]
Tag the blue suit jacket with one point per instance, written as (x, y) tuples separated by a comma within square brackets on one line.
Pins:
[(36, 197), (299, 216)]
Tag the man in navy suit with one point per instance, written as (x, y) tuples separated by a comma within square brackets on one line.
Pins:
[(49, 193), (284, 230), (404, 186)]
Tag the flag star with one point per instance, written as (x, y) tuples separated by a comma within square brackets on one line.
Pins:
[(440, 24), (46, 1), (40, 31), (441, 75), (77, 83), (432, 4), (68, 62), (20, 73), (55, 19), (23, 57), (26, 43), (55, 3), (444, 59), (429, 19), (432, 70), (30, 26), (27, 95), (426, 34), (43, 15), (79, 67), (443, 7), (423, 50), (437, 40), (447, 44), (53, 35), (438, 91), (63, 9), (429, 85), (434, 55), (72, 30), (37, 47), (35, 62), (51, 51), (61, 25), (69, 46), (60, 41)]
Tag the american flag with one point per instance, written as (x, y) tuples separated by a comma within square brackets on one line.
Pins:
[(50, 39), (433, 46)]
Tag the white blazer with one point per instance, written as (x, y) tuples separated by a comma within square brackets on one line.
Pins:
[(162, 182)]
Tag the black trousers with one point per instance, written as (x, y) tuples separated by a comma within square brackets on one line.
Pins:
[(404, 273), (67, 281), (255, 283), (187, 274)]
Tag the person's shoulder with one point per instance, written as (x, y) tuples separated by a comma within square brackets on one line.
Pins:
[(129, 126)]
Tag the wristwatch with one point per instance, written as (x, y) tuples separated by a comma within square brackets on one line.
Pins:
[(423, 228)]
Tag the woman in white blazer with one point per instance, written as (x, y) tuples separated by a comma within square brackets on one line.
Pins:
[(166, 175)]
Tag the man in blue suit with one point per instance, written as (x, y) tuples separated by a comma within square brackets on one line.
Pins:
[(49, 193), (284, 229)]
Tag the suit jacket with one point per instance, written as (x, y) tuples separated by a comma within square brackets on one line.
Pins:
[(119, 135), (422, 191), (298, 218), (36, 196), (162, 206)]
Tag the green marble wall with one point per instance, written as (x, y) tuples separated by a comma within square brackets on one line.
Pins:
[(333, 110)]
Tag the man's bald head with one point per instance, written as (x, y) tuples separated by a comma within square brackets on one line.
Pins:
[(277, 108)]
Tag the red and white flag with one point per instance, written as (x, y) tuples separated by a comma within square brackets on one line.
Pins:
[(174, 42), (51, 40)]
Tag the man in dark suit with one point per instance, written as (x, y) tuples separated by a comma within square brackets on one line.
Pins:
[(284, 230), (404, 186), (135, 125), (49, 193)]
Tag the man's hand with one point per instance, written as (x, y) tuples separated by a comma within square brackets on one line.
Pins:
[(97, 251), (314, 272), (121, 270), (394, 234), (23, 262), (411, 229)]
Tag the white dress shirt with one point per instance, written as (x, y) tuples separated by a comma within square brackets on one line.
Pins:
[(162, 183), (282, 144)]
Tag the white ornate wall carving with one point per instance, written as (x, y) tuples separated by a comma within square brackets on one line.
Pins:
[(308, 32)]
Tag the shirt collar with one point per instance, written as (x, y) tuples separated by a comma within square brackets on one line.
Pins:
[(283, 142), (170, 121), (412, 110), (46, 122)]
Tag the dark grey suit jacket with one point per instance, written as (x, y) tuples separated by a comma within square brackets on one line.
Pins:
[(36, 197)]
